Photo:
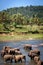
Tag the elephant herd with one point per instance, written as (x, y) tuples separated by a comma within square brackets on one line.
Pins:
[(14, 54), (10, 54), (34, 54)]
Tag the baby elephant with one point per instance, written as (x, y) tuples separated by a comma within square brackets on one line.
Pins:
[(36, 59), (40, 62), (8, 58), (18, 58)]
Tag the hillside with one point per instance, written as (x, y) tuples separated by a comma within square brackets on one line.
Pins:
[(27, 11), (27, 19)]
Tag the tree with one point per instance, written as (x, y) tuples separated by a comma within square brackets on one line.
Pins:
[(18, 19), (4, 20), (34, 20)]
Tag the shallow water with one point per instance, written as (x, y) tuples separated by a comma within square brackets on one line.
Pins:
[(20, 44)]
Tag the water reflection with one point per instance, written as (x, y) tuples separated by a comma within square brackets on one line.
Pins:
[(30, 63)]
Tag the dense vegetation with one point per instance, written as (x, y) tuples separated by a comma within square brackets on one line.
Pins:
[(27, 19)]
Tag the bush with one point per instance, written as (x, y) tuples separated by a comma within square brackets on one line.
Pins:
[(6, 32), (36, 31)]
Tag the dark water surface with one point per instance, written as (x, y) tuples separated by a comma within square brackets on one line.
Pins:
[(20, 44)]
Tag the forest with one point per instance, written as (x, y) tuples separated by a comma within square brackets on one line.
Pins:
[(25, 20)]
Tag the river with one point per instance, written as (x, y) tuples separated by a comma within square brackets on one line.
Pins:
[(19, 44)]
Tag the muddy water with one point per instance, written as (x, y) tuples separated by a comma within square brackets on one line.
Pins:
[(20, 44)]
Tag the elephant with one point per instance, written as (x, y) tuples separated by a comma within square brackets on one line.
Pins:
[(17, 49), (36, 59), (11, 51), (40, 62), (28, 46), (18, 58), (18, 53), (8, 58), (14, 51), (3, 52), (32, 55), (36, 51), (41, 44), (35, 46), (6, 48)]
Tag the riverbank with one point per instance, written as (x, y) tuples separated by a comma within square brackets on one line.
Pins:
[(19, 37)]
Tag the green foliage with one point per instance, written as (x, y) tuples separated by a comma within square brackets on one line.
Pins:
[(1, 27), (22, 19), (18, 19)]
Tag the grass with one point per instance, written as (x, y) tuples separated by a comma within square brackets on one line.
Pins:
[(19, 37), (28, 28), (23, 33)]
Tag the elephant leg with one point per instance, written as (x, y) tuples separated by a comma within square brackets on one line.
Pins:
[(30, 48), (1, 55), (21, 60), (25, 59), (5, 60), (38, 53), (31, 57), (15, 61), (11, 60)]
